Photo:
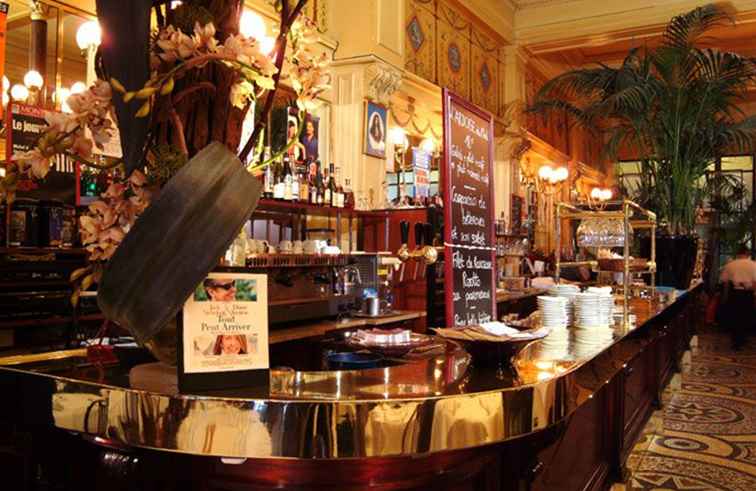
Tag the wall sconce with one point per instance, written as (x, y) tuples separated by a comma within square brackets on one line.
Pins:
[(599, 197), (549, 179), (34, 82), (398, 139), (89, 37), (78, 87), (251, 25), (19, 93)]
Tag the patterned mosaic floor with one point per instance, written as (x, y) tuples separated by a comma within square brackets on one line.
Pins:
[(705, 436)]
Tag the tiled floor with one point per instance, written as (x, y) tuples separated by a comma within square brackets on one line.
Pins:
[(705, 436)]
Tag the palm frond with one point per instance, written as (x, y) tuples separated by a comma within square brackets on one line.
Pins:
[(686, 30)]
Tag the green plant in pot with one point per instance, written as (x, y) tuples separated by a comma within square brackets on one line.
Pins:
[(179, 89), (676, 108)]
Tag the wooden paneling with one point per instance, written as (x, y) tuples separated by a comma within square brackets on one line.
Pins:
[(420, 39)]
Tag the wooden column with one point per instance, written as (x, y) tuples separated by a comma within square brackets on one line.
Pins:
[(38, 38)]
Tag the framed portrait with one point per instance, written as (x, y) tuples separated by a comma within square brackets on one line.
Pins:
[(376, 126), (309, 138)]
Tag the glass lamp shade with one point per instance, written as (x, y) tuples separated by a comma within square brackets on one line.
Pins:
[(89, 34), (601, 232)]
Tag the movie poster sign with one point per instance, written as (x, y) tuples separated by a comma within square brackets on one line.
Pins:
[(469, 207), (27, 125), (224, 331)]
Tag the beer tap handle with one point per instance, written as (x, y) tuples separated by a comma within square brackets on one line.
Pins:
[(419, 235), (429, 234), (404, 229)]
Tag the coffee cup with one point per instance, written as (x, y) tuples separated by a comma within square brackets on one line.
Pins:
[(298, 247), (310, 247), (286, 246)]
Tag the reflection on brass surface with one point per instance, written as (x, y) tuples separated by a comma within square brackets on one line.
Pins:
[(432, 405)]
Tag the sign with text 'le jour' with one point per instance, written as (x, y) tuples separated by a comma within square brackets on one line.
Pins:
[(469, 213)]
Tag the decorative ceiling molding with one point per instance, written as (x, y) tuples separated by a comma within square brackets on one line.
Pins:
[(552, 25)]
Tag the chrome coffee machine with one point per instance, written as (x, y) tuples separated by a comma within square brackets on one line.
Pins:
[(308, 287)]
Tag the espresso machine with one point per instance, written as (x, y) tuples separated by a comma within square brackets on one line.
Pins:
[(306, 287)]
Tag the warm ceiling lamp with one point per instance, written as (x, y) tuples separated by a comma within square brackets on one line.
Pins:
[(33, 80), (428, 145), (19, 92), (251, 25), (88, 35), (78, 87)]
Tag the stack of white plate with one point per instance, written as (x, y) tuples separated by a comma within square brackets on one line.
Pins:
[(554, 346), (569, 292), (593, 310), (554, 311), (589, 341)]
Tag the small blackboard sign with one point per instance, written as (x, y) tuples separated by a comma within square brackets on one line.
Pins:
[(223, 333), (469, 213)]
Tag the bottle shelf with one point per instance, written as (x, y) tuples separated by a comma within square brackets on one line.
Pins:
[(266, 205)]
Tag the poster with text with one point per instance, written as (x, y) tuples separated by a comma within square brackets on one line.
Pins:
[(225, 324), (469, 240)]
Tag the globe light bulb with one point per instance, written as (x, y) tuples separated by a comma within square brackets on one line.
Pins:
[(6, 83), (33, 79), (428, 145), (596, 193), (267, 45), (251, 25), (398, 137), (606, 194), (561, 174), (545, 172), (89, 34), (78, 87), (19, 92), (62, 97)]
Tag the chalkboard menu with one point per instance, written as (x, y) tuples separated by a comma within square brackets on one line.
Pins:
[(469, 213)]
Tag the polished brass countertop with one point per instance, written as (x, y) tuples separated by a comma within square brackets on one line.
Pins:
[(503, 295), (320, 328), (432, 404)]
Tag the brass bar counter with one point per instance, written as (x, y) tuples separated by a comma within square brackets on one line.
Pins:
[(435, 404)]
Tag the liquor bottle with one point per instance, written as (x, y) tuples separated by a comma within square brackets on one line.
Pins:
[(339, 190), (331, 201), (287, 178), (268, 181), (278, 182), (267, 175), (319, 183), (295, 182), (348, 195), (311, 176), (326, 189), (304, 185)]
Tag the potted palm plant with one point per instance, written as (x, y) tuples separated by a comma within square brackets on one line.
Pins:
[(676, 108)]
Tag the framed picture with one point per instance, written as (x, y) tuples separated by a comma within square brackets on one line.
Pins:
[(375, 129), (224, 332), (309, 137)]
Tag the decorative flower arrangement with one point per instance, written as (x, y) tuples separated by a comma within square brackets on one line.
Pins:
[(179, 63)]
